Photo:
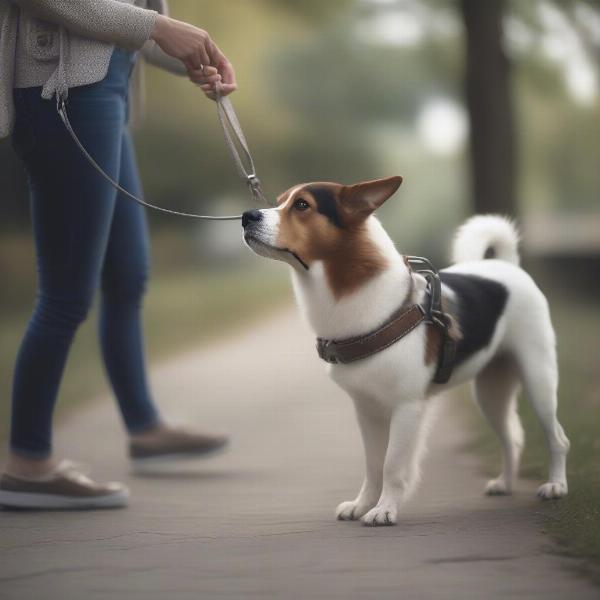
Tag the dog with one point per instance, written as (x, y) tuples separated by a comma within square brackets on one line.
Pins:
[(349, 281)]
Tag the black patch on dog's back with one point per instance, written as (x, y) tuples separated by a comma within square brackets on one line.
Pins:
[(479, 305), (326, 203)]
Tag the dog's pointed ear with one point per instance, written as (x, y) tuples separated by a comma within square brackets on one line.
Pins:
[(361, 199)]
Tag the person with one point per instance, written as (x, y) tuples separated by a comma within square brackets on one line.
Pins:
[(86, 238)]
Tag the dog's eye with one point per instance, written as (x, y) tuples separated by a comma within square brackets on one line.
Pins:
[(301, 204)]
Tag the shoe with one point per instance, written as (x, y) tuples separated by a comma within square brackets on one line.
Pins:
[(169, 445), (65, 487)]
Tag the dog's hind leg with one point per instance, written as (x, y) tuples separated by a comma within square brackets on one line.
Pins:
[(496, 389), (540, 377), (374, 428), (408, 426)]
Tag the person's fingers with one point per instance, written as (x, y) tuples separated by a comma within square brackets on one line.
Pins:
[(225, 68), (192, 62), (197, 58), (199, 76), (203, 55), (228, 88), (193, 59), (208, 68), (215, 54), (204, 81), (227, 72), (203, 71)]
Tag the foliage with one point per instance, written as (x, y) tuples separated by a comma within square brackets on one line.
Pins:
[(319, 85)]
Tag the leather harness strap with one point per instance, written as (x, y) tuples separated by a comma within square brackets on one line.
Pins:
[(349, 350), (400, 325)]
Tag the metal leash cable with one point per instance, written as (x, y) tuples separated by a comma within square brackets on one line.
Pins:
[(232, 132)]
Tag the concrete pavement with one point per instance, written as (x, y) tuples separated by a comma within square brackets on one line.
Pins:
[(257, 522)]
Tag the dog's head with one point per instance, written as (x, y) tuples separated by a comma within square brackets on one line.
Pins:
[(323, 222)]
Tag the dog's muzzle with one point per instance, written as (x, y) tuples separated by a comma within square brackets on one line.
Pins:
[(260, 244), (250, 217)]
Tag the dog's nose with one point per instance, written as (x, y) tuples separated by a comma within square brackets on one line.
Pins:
[(251, 216)]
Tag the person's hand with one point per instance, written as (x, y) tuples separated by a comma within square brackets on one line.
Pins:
[(206, 65)]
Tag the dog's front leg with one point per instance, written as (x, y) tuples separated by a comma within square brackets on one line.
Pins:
[(374, 427), (401, 466)]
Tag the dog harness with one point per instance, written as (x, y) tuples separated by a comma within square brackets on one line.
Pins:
[(399, 325)]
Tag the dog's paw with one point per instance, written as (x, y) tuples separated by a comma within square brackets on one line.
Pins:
[(381, 516), (497, 487), (351, 510), (552, 490)]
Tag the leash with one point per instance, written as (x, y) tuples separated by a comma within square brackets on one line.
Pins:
[(240, 152), (234, 138)]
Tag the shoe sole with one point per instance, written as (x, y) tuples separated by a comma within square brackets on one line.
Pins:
[(168, 463), (34, 501)]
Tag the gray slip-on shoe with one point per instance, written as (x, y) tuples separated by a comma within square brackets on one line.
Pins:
[(66, 487)]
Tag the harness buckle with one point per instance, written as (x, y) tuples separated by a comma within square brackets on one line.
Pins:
[(436, 317), (440, 319), (325, 351)]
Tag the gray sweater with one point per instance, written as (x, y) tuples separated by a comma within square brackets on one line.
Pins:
[(59, 44)]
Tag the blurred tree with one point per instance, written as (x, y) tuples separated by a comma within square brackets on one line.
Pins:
[(559, 131), (488, 94), (327, 92), (587, 31), (312, 10)]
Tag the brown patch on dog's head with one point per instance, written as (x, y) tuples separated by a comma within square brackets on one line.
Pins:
[(326, 222)]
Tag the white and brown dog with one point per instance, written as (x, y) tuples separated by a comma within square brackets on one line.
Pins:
[(350, 280)]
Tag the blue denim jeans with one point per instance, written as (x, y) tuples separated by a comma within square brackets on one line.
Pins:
[(86, 238)]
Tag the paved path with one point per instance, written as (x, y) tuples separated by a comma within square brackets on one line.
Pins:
[(258, 522)]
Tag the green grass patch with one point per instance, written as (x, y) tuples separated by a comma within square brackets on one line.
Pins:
[(574, 521), (186, 305)]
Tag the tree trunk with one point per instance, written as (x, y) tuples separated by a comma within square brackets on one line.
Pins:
[(492, 145)]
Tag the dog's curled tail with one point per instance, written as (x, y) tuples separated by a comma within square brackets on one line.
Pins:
[(486, 236)]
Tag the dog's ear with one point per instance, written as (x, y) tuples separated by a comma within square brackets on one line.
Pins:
[(361, 199)]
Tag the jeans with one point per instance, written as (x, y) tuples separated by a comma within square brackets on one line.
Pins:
[(86, 238)]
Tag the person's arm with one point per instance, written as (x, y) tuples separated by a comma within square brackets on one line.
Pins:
[(153, 54), (130, 27), (109, 21)]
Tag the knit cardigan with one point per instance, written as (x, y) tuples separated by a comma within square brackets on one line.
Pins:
[(59, 44)]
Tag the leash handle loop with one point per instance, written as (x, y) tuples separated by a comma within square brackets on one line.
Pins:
[(237, 145)]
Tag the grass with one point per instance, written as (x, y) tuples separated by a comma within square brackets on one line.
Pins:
[(574, 522), (186, 305)]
